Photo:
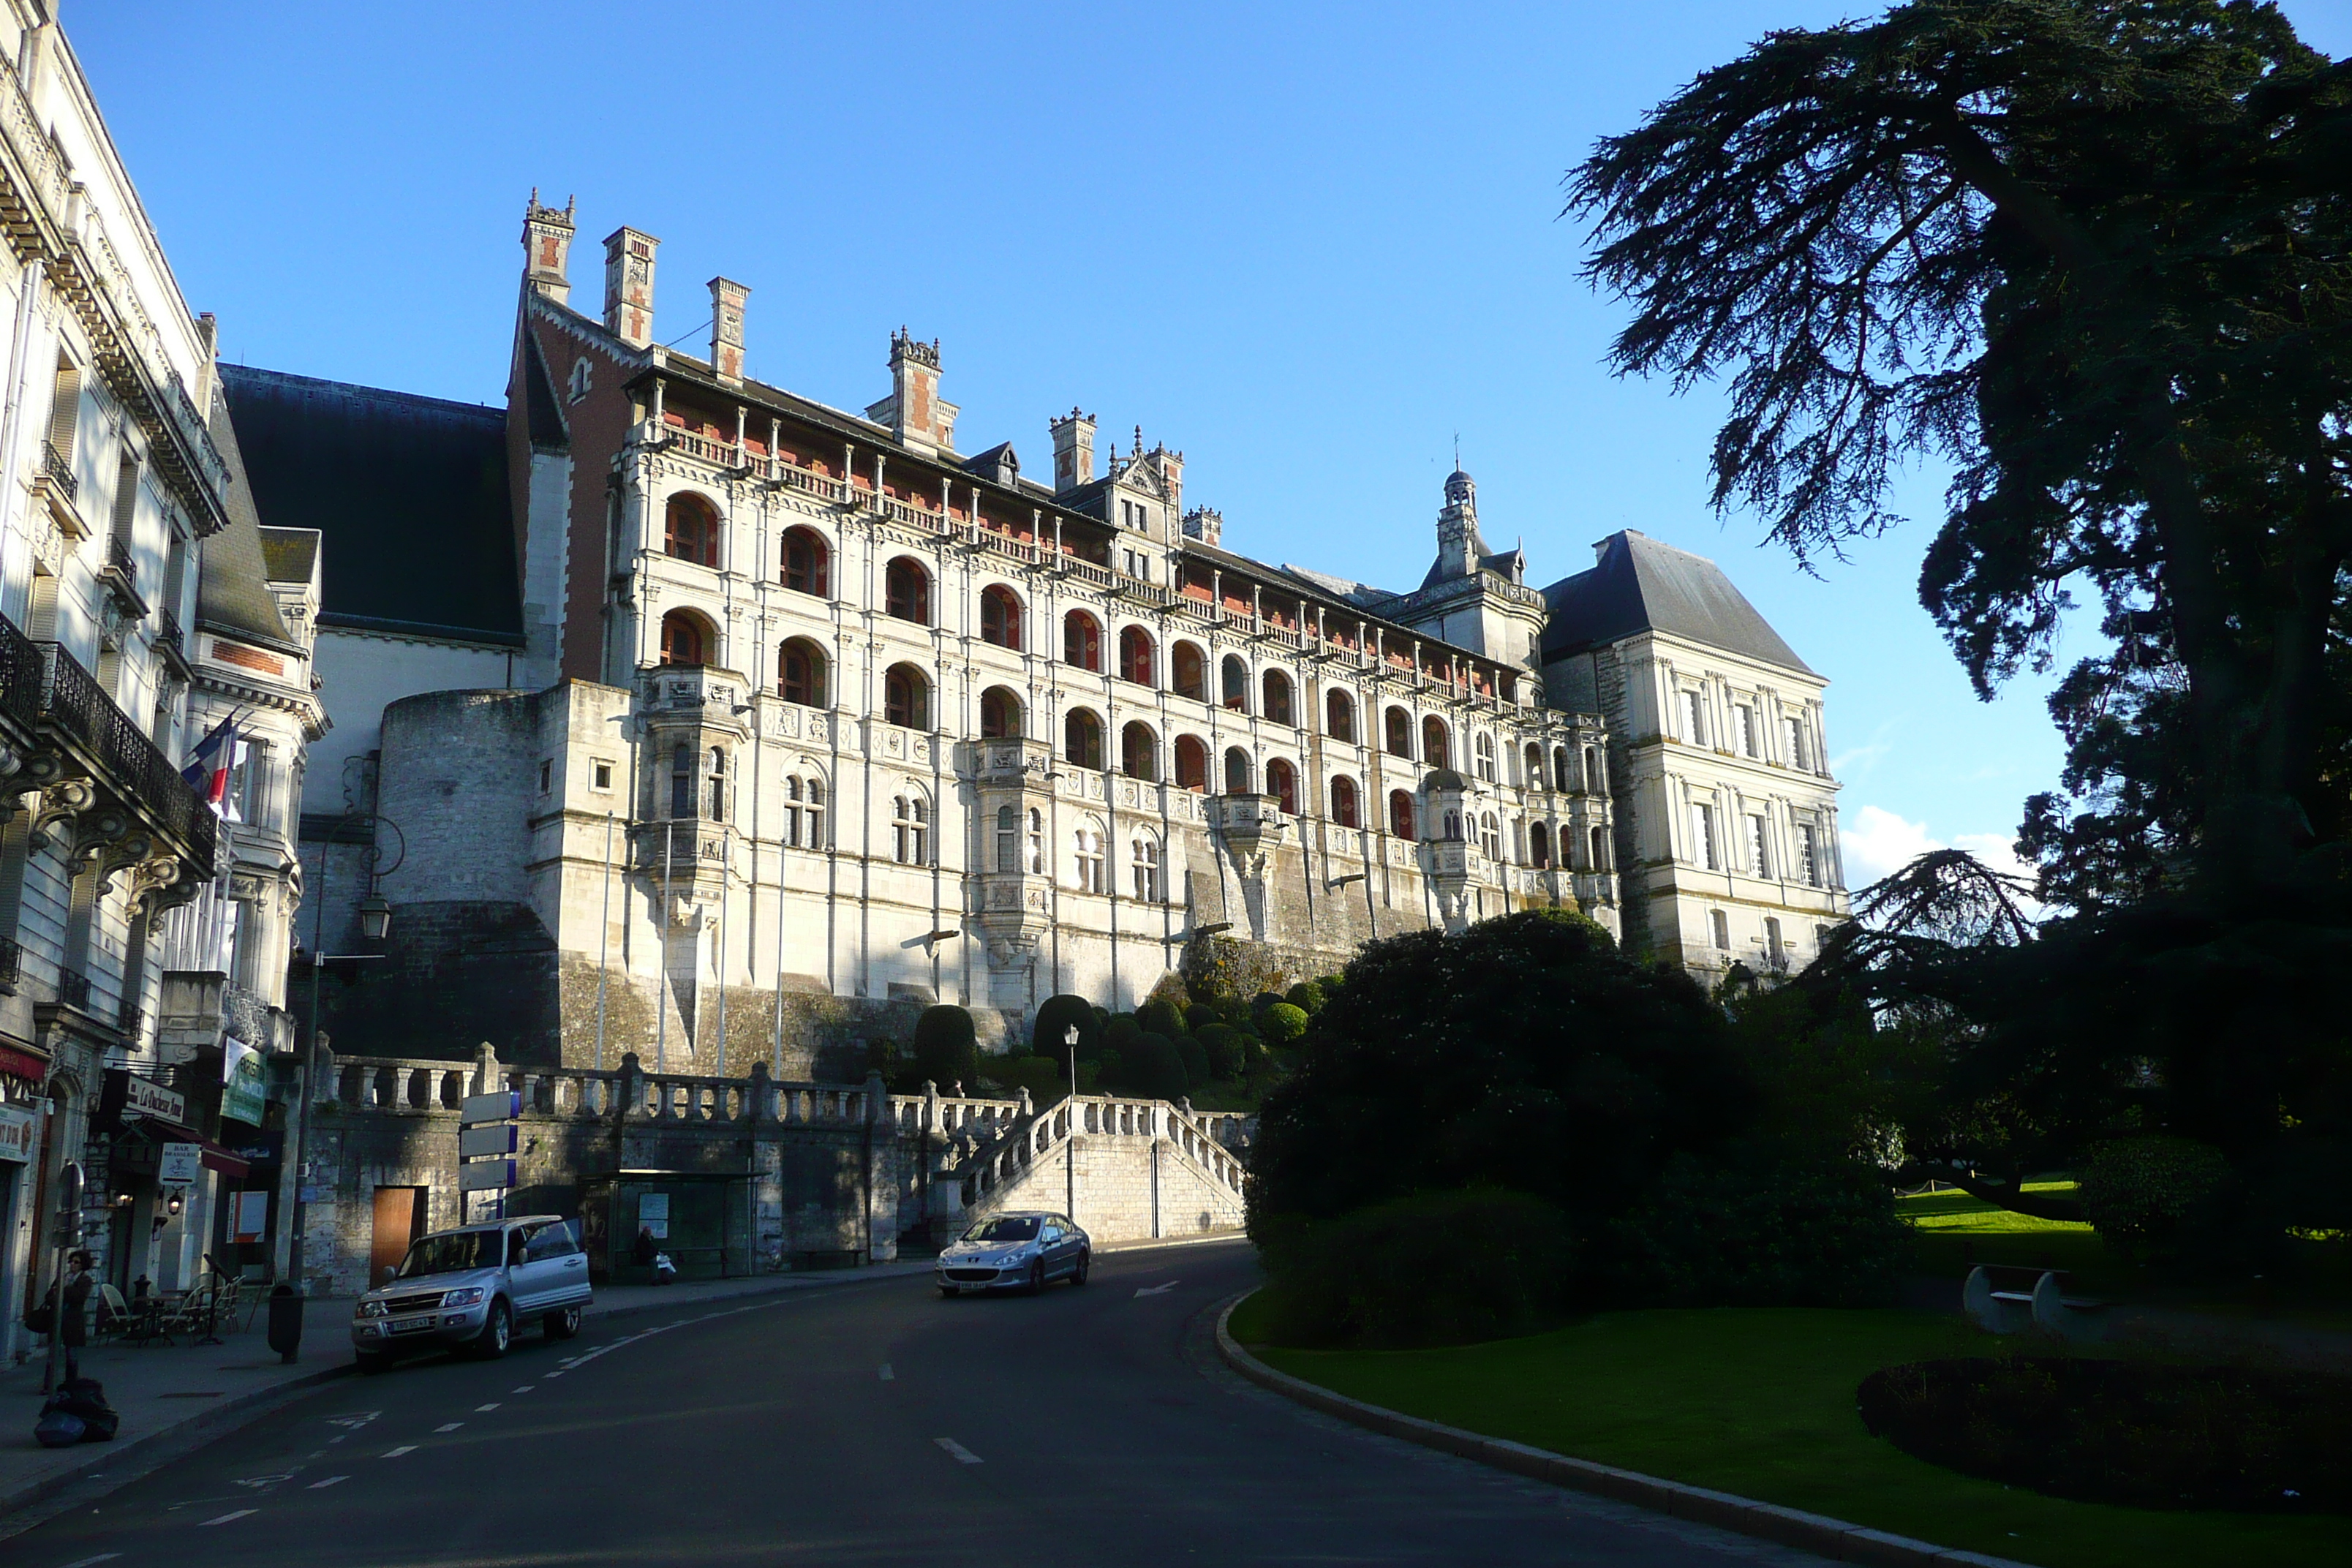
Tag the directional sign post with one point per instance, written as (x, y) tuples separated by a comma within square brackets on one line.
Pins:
[(485, 1145)]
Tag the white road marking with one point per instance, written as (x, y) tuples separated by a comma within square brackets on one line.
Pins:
[(1159, 1290), (395, 1453), (887, 1375), (526, 1388), (224, 1518), (448, 1426), (337, 1439), (322, 1485), (555, 1375), (355, 1418), (93, 1562), (493, 1404), (266, 1481), (963, 1455)]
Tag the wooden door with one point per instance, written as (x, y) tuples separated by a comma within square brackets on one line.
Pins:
[(399, 1217)]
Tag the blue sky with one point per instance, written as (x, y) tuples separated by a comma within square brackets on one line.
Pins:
[(1306, 244)]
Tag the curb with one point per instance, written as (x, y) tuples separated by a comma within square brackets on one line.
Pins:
[(1162, 1241), (1831, 1538)]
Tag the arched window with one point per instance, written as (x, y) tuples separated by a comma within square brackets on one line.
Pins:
[(1282, 783), (816, 814), (999, 715), (907, 697), (718, 812), (1483, 747), (1138, 752), (804, 812), (681, 780), (1145, 864), (1535, 766), (907, 591), (1082, 640), (1082, 739), (910, 821), (1191, 763), (800, 673), (1453, 828), (1339, 715), (1236, 683), (691, 529), (1436, 750), (1008, 839), (1400, 812), (1278, 697), (686, 639), (1490, 837), (1400, 732), (1000, 617), (1237, 771), (1538, 845), (1599, 850), (1135, 655), (808, 563), (1188, 672), (1592, 783), (1343, 802), (1089, 858)]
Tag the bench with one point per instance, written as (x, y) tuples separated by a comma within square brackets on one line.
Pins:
[(2006, 1299)]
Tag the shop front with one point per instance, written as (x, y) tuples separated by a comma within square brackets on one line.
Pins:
[(162, 1181)]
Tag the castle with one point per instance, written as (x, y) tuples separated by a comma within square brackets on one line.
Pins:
[(729, 721)]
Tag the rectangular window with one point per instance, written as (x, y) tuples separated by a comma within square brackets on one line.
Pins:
[(546, 777), (1757, 862), (1719, 928), (1808, 860), (1702, 835), (1694, 710), (1796, 727), (1743, 726), (604, 777)]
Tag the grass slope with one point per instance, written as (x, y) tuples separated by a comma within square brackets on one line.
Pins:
[(1760, 1403)]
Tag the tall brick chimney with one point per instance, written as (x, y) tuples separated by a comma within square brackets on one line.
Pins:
[(727, 298), (629, 286), (547, 248), (1074, 450), (914, 411)]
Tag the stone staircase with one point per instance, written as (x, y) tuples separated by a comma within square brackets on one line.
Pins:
[(1125, 1169)]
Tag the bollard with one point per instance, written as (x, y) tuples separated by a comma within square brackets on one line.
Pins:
[(284, 1323)]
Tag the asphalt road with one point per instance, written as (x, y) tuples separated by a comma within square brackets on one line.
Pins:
[(866, 1425)]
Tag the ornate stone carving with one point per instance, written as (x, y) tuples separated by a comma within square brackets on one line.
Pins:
[(58, 803)]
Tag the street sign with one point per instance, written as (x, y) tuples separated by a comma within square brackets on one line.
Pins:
[(179, 1164), (19, 1129), (141, 1097), (497, 1138), (489, 1177), (489, 1108)]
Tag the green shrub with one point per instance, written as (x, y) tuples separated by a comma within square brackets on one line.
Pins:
[(1160, 1018), (1435, 1269), (1226, 1049), (1261, 1001), (1040, 1074), (1307, 997), (1108, 1070), (1195, 1059), (947, 1052), (2149, 1197), (1331, 984), (1758, 1234), (1283, 1024), (1122, 1031), (1202, 1015), (1055, 1016), (1154, 1068)]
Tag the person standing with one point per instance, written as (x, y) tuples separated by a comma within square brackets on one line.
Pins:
[(73, 1320)]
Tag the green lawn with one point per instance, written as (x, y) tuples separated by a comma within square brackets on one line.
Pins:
[(1954, 1232), (1760, 1403)]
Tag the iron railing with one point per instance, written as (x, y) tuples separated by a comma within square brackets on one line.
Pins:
[(73, 989), (12, 964), (57, 468)]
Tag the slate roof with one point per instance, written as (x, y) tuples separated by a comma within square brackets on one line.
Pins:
[(289, 553), (409, 493), (1641, 585), (232, 575)]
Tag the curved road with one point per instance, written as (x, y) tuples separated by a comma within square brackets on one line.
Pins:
[(872, 1424)]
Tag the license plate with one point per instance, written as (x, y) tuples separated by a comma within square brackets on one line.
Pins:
[(411, 1325), (971, 1289)]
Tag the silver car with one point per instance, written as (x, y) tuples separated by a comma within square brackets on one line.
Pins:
[(1017, 1251), (469, 1287)]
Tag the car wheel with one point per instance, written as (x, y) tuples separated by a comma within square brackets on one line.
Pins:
[(1086, 1261), (949, 1291), (1036, 1276), (372, 1361), (498, 1331), (563, 1323)]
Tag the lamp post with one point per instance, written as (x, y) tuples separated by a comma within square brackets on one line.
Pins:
[(1070, 1155)]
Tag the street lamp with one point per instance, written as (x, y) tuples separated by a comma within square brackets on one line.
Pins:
[(375, 916), (1070, 1149)]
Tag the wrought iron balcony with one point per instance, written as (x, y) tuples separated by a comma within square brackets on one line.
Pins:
[(57, 468), (73, 989), (12, 965)]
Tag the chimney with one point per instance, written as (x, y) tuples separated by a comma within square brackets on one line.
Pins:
[(914, 411), (1206, 525), (547, 248), (629, 286), (1074, 450), (726, 330)]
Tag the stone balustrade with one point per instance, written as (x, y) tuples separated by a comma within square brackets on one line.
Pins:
[(387, 1083)]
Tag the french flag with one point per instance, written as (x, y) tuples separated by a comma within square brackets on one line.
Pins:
[(208, 765)]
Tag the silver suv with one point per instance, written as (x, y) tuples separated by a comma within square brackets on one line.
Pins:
[(468, 1288)]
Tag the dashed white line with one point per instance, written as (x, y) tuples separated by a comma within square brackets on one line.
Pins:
[(93, 1562), (226, 1517), (322, 1485), (493, 1404), (526, 1388), (395, 1453), (337, 1439), (963, 1455), (448, 1426), (887, 1375)]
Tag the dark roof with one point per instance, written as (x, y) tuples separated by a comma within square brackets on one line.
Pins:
[(1641, 584), (409, 493), (232, 577), (290, 553)]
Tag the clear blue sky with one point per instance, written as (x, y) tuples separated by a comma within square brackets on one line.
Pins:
[(1306, 244)]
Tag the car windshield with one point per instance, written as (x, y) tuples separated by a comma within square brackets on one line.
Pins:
[(450, 1254), (1010, 1229)]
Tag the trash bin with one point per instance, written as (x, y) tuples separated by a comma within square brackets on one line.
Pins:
[(285, 1321)]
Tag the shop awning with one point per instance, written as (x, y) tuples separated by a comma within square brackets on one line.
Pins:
[(16, 1063), (211, 1155)]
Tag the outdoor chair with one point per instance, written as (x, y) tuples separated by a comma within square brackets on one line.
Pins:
[(115, 1317)]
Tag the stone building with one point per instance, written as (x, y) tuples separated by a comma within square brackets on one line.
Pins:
[(136, 610), (796, 719)]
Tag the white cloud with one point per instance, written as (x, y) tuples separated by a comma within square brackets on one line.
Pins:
[(1878, 843)]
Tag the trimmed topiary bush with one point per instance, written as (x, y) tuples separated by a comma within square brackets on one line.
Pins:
[(1120, 1032), (1055, 1016), (1307, 997), (1757, 1234), (1153, 1067), (1283, 1024), (1202, 1015), (1435, 1269), (1226, 1049), (1196, 1061), (947, 1051), (1040, 1074), (2149, 1197), (1157, 1017)]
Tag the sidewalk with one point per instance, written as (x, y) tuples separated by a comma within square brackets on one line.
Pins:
[(173, 1390)]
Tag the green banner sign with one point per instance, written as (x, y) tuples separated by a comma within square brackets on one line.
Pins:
[(242, 1090)]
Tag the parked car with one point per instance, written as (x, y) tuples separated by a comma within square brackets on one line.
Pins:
[(466, 1288), (1018, 1251)]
